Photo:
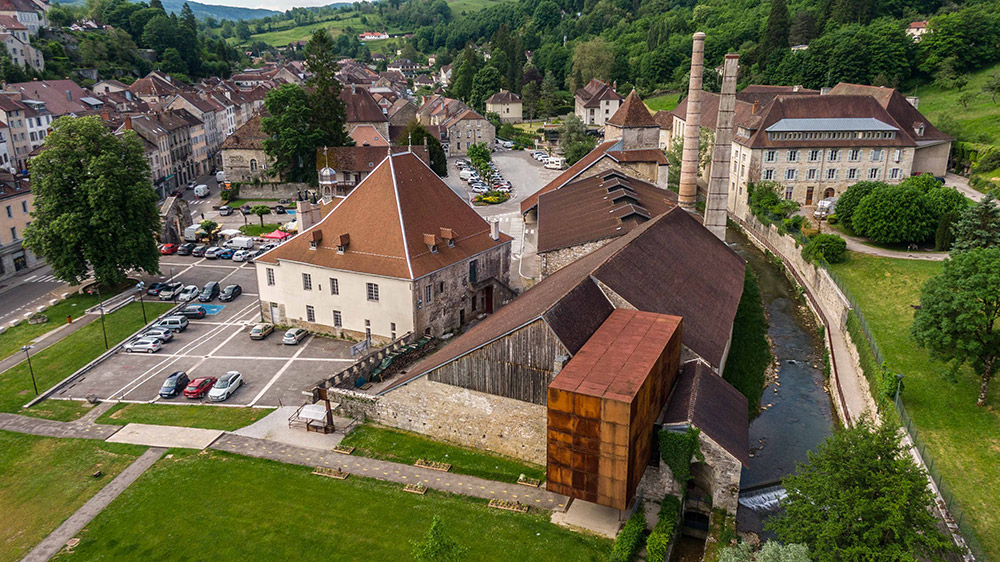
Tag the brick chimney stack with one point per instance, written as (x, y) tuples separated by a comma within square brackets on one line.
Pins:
[(688, 188), (718, 185)]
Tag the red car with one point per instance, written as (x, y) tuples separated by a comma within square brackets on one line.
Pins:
[(199, 387), (168, 249)]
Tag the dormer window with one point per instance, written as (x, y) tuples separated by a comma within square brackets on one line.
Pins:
[(343, 242), (448, 235), (431, 240)]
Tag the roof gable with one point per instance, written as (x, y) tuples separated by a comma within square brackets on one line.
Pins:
[(633, 113)]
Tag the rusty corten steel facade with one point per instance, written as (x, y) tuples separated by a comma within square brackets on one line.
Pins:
[(603, 404)]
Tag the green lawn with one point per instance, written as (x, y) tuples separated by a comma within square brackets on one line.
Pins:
[(237, 203), (203, 416), (43, 480), (258, 230), (963, 439), (74, 305), (665, 102), (250, 509), (60, 360), (979, 122), (405, 447)]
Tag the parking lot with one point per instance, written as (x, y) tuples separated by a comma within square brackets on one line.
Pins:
[(274, 374)]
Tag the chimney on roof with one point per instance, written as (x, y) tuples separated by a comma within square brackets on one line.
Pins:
[(688, 188), (756, 104), (128, 122), (495, 230)]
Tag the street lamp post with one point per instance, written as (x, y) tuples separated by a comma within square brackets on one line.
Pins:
[(899, 386), (27, 356), (142, 304), (174, 295), (100, 305)]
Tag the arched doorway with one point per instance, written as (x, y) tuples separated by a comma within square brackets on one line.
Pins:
[(829, 192), (697, 513)]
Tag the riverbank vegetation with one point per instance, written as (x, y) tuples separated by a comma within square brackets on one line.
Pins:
[(750, 350)]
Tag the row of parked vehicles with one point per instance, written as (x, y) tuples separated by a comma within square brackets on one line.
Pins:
[(478, 184), (550, 162), (187, 293), (216, 389), (238, 249)]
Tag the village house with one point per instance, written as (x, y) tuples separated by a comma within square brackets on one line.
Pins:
[(455, 124), (28, 13), (506, 104), (372, 36), (596, 102), (16, 204), (243, 156), (14, 36), (362, 109), (402, 253)]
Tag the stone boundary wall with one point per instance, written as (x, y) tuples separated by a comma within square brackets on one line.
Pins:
[(273, 190)]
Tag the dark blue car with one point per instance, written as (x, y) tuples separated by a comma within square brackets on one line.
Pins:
[(225, 254)]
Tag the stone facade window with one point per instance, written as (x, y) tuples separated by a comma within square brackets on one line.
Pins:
[(897, 155), (793, 155), (310, 313), (790, 174), (307, 282), (894, 173), (876, 155), (372, 291), (852, 174), (334, 286), (831, 174), (270, 277), (789, 191), (771, 156), (768, 174), (874, 173), (337, 319), (427, 293), (814, 155), (855, 154), (812, 174)]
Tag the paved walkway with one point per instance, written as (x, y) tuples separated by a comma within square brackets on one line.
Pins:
[(53, 543), (165, 436), (391, 472), (961, 184), (857, 245), (50, 428)]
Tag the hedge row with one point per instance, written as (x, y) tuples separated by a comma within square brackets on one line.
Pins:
[(630, 538), (659, 540)]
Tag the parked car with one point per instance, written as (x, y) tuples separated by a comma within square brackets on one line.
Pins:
[(225, 210), (230, 293), (174, 384), (201, 191), (212, 253), (143, 345), (189, 293), (825, 208), (294, 336), (190, 185), (177, 193), (162, 334), (239, 243), (155, 288), (555, 163), (241, 255), (225, 253), (261, 331), (199, 387), (466, 175), (253, 255), (173, 323), (172, 289), (210, 291), (269, 246), (199, 251), (168, 249), (279, 209), (186, 248), (194, 311), (480, 188), (506, 143), (225, 386)]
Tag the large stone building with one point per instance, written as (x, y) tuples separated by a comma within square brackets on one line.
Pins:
[(14, 36), (596, 102), (402, 253), (362, 109), (243, 156), (507, 105), (16, 204), (455, 124)]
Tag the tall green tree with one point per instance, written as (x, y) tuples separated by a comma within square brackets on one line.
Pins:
[(260, 211), (416, 135), (775, 39), (861, 497), (293, 138), (437, 546), (464, 73), (978, 226), (329, 114), (187, 18), (487, 82), (574, 140), (958, 314), (529, 98), (157, 4), (593, 59), (547, 98), (95, 208)]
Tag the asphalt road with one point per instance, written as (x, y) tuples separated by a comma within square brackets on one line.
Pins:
[(26, 293)]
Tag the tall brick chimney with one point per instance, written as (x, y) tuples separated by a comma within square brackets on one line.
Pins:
[(688, 188), (718, 185)]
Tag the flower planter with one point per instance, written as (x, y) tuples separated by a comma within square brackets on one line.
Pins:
[(417, 488), (433, 465), (531, 482), (508, 505), (342, 450), (331, 472)]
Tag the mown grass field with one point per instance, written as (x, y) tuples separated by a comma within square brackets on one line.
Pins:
[(203, 416), (664, 102), (43, 480), (963, 439), (22, 334), (253, 509), (61, 359), (979, 122), (405, 447), (258, 230)]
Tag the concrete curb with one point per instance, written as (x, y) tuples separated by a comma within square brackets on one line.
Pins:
[(100, 359)]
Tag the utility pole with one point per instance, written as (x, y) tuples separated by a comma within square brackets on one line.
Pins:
[(25, 349)]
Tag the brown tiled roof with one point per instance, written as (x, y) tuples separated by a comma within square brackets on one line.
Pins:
[(504, 96), (386, 217), (10, 22), (18, 6), (9, 187), (595, 91), (249, 136), (907, 116), (366, 135), (152, 86), (361, 106), (664, 119), (706, 401), (668, 265), (640, 155), (596, 208), (61, 97), (633, 113), (357, 158), (573, 171)]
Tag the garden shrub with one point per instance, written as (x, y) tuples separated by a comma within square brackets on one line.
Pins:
[(848, 202), (766, 204), (830, 247), (988, 162), (492, 197), (749, 351), (658, 541), (895, 214), (630, 538), (945, 235), (944, 200)]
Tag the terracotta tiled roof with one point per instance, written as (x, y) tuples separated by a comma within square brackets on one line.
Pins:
[(366, 135), (705, 400), (573, 171), (597, 208), (504, 96), (901, 110), (385, 218), (361, 106), (639, 155), (61, 97), (633, 113), (10, 22), (668, 265), (249, 136), (596, 91), (357, 158)]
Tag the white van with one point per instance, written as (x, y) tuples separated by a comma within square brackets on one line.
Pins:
[(201, 191), (220, 176), (239, 243), (467, 174), (191, 233), (555, 163)]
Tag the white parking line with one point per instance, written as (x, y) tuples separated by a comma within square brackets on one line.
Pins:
[(253, 358), (280, 372), (156, 369)]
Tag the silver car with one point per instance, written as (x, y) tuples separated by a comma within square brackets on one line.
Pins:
[(212, 252), (162, 334), (147, 345), (225, 386), (241, 255), (189, 293), (294, 336)]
